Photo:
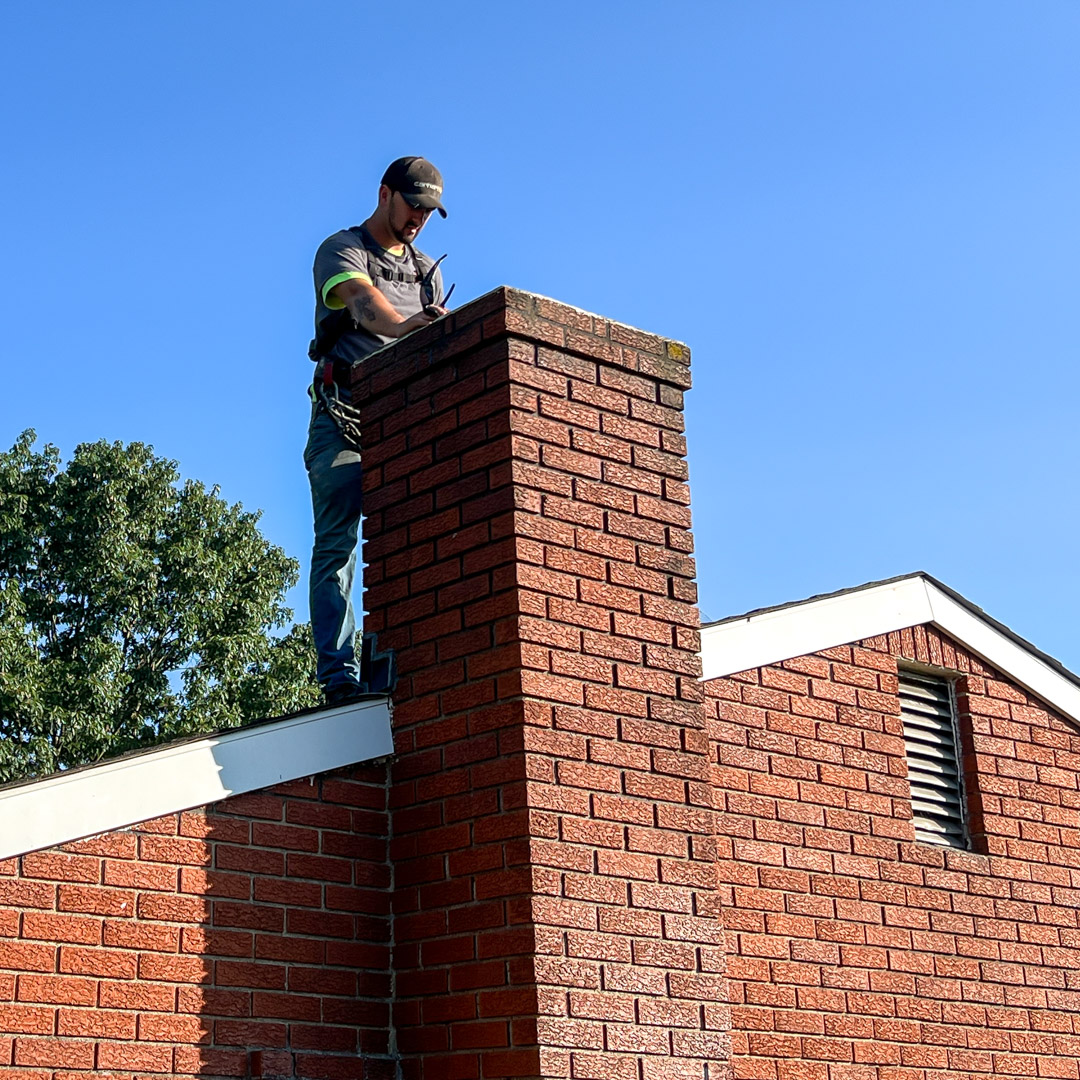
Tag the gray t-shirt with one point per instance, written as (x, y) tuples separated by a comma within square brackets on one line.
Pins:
[(343, 256)]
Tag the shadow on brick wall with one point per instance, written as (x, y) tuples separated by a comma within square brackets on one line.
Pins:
[(250, 938)]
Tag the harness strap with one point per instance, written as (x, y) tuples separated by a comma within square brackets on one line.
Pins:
[(371, 249), (416, 265), (392, 275), (339, 323)]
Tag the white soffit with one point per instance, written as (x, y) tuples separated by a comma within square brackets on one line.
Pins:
[(798, 629), (772, 636), (117, 794)]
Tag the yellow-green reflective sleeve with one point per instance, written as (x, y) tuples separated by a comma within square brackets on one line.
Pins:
[(332, 302)]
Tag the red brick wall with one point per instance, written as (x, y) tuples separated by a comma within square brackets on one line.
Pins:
[(573, 847), (573, 825), (529, 560), (547, 838), (855, 953), (182, 945)]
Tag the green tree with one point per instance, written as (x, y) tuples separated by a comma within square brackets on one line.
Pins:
[(133, 609)]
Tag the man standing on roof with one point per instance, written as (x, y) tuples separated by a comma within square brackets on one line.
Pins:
[(371, 286)]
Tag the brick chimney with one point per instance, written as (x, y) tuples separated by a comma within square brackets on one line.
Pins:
[(529, 560)]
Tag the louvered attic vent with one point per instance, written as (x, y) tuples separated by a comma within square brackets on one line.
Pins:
[(937, 787)]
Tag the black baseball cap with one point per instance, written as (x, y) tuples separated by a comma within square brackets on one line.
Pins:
[(417, 181)]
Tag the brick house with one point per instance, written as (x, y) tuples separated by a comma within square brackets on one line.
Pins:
[(559, 851), (887, 917)]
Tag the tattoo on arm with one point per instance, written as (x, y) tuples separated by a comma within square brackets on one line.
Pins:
[(363, 308)]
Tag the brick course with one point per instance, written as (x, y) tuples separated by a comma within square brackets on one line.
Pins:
[(856, 953), (228, 941)]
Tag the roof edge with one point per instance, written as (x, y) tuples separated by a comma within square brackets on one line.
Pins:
[(772, 635), (192, 772), (755, 612)]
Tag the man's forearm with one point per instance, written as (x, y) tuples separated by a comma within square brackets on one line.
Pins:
[(374, 313)]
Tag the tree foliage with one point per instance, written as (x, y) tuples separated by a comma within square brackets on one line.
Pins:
[(133, 609)]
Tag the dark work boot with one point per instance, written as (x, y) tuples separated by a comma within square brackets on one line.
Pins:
[(343, 694)]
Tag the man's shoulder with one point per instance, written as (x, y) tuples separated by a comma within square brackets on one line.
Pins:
[(341, 252), (343, 238)]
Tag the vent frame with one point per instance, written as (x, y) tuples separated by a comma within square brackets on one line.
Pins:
[(938, 829)]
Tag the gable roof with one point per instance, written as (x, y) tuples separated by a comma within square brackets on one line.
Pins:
[(771, 635), (182, 775)]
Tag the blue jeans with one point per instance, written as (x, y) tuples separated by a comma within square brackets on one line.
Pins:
[(334, 472)]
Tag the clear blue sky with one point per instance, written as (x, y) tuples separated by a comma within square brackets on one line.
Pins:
[(862, 217)]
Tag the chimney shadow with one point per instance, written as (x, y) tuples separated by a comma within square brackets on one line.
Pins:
[(246, 938), (294, 939)]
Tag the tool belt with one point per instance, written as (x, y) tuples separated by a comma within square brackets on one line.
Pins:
[(324, 391)]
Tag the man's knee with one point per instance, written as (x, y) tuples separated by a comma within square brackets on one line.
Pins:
[(331, 554)]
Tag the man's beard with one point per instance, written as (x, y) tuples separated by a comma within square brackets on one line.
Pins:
[(399, 234)]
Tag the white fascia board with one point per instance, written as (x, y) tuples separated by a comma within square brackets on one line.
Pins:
[(773, 636), (1001, 652), (115, 795)]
